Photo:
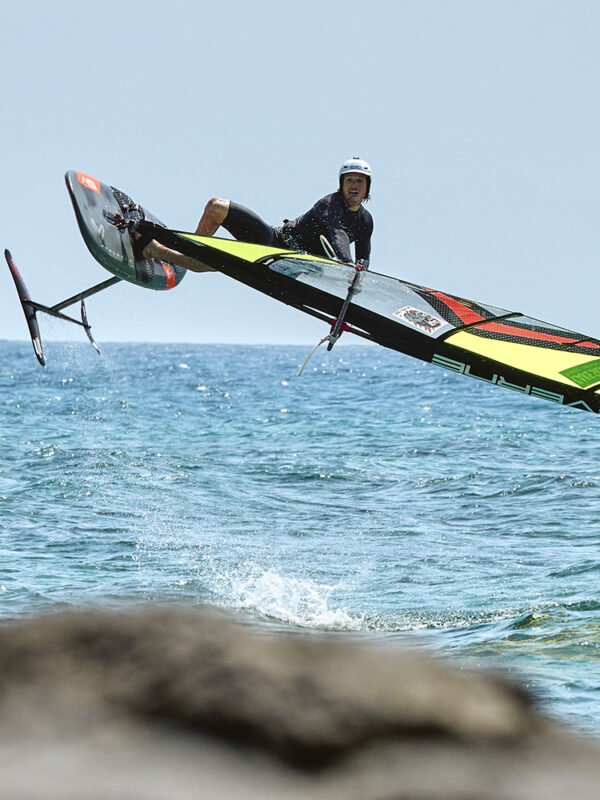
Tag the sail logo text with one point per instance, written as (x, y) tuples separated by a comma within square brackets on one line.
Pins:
[(498, 380)]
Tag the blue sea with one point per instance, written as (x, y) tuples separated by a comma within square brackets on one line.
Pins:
[(376, 496)]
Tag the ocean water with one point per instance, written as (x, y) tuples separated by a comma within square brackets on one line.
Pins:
[(375, 496)]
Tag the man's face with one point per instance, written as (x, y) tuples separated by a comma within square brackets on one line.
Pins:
[(354, 190)]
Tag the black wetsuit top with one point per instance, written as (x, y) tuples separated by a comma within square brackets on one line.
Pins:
[(328, 217)]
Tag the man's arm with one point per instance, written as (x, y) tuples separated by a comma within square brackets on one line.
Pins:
[(340, 241), (362, 245)]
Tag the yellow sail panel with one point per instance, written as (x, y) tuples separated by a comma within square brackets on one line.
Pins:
[(541, 361), (249, 252)]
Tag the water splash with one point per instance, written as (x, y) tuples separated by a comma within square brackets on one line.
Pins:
[(295, 601)]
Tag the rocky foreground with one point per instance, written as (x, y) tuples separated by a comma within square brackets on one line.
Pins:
[(169, 703)]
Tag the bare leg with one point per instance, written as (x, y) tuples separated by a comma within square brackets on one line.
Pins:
[(156, 250), (214, 215)]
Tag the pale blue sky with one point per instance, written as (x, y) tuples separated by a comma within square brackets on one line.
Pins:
[(480, 119)]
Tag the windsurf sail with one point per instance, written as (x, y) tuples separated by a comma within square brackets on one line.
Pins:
[(494, 345)]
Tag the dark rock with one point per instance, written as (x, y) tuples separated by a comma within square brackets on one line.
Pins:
[(292, 715)]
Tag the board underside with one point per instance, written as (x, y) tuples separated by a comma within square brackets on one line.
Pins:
[(95, 203)]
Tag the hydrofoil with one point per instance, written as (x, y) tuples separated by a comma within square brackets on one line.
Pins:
[(106, 217)]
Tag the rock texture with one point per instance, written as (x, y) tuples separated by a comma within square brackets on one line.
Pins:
[(169, 703)]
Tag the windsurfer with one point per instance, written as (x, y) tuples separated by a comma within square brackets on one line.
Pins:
[(340, 217)]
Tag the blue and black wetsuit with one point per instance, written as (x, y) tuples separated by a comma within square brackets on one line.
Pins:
[(328, 217)]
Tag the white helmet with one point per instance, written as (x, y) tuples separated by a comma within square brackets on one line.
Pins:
[(356, 164)]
